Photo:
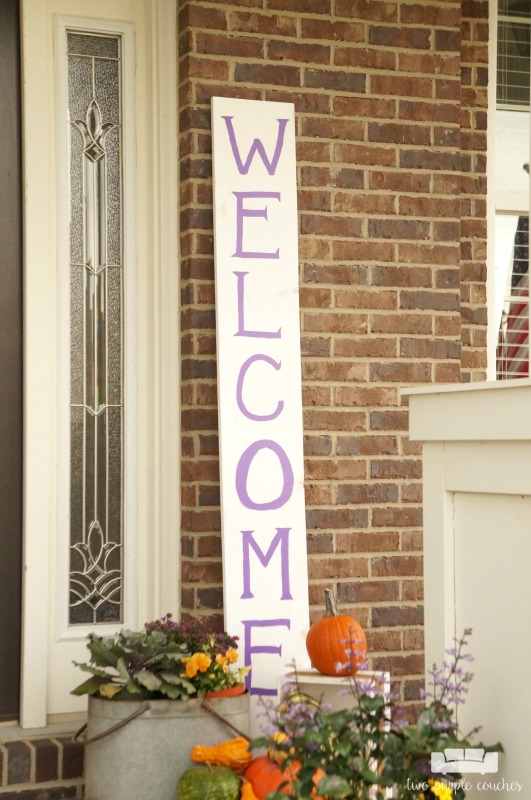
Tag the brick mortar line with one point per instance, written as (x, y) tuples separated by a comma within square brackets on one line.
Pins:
[(334, 45), (448, 6), (318, 91), (332, 70)]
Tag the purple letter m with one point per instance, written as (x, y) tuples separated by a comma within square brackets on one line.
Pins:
[(248, 541)]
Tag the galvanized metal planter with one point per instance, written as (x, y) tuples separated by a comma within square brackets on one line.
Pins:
[(138, 750)]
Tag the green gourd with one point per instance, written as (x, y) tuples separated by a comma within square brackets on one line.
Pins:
[(208, 783)]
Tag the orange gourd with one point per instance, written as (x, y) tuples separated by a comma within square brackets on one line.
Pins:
[(336, 643), (233, 753), (246, 791)]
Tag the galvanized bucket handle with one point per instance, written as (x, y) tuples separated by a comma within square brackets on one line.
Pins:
[(206, 705), (138, 713)]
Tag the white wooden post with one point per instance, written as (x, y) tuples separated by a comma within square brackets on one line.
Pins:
[(477, 553)]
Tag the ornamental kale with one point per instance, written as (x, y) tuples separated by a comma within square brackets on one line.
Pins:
[(165, 659)]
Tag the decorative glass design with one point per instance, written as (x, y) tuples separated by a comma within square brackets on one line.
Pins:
[(96, 329)]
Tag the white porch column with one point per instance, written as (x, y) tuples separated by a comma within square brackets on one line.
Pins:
[(477, 555)]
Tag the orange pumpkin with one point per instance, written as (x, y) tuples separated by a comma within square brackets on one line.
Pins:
[(265, 776), (336, 643)]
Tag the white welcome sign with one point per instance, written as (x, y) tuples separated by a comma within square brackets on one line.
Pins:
[(259, 385)]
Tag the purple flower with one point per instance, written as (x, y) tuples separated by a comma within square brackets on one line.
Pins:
[(339, 666)]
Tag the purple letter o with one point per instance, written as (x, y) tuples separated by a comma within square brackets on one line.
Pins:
[(242, 472)]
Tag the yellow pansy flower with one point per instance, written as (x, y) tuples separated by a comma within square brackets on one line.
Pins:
[(441, 790), (199, 662)]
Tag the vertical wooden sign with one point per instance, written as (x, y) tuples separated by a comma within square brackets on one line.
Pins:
[(259, 385)]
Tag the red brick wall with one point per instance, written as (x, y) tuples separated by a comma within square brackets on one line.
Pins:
[(474, 62), (390, 101)]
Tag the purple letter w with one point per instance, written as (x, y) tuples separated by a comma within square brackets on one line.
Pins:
[(258, 147)]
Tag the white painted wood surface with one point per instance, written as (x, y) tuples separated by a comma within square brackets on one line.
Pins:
[(477, 558), (259, 385), (336, 691)]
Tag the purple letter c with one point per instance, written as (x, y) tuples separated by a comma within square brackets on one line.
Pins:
[(239, 389)]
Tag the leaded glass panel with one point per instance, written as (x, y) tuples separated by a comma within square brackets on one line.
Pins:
[(96, 329)]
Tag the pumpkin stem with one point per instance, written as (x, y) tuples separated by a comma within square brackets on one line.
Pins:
[(330, 602)]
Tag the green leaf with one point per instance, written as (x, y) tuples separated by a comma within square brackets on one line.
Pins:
[(491, 748), (425, 720), (133, 688), (334, 786), (190, 688), (184, 685), (148, 679), (261, 741), (373, 703), (368, 775), (103, 673), (121, 666), (172, 677), (346, 747), (139, 694), (90, 686), (173, 692), (101, 651)]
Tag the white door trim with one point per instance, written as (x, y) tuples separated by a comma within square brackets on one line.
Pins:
[(156, 571), (159, 402)]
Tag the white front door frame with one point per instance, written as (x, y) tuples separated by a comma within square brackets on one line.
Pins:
[(46, 654)]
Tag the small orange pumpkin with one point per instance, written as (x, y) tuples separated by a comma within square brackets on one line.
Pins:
[(336, 643), (265, 776)]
